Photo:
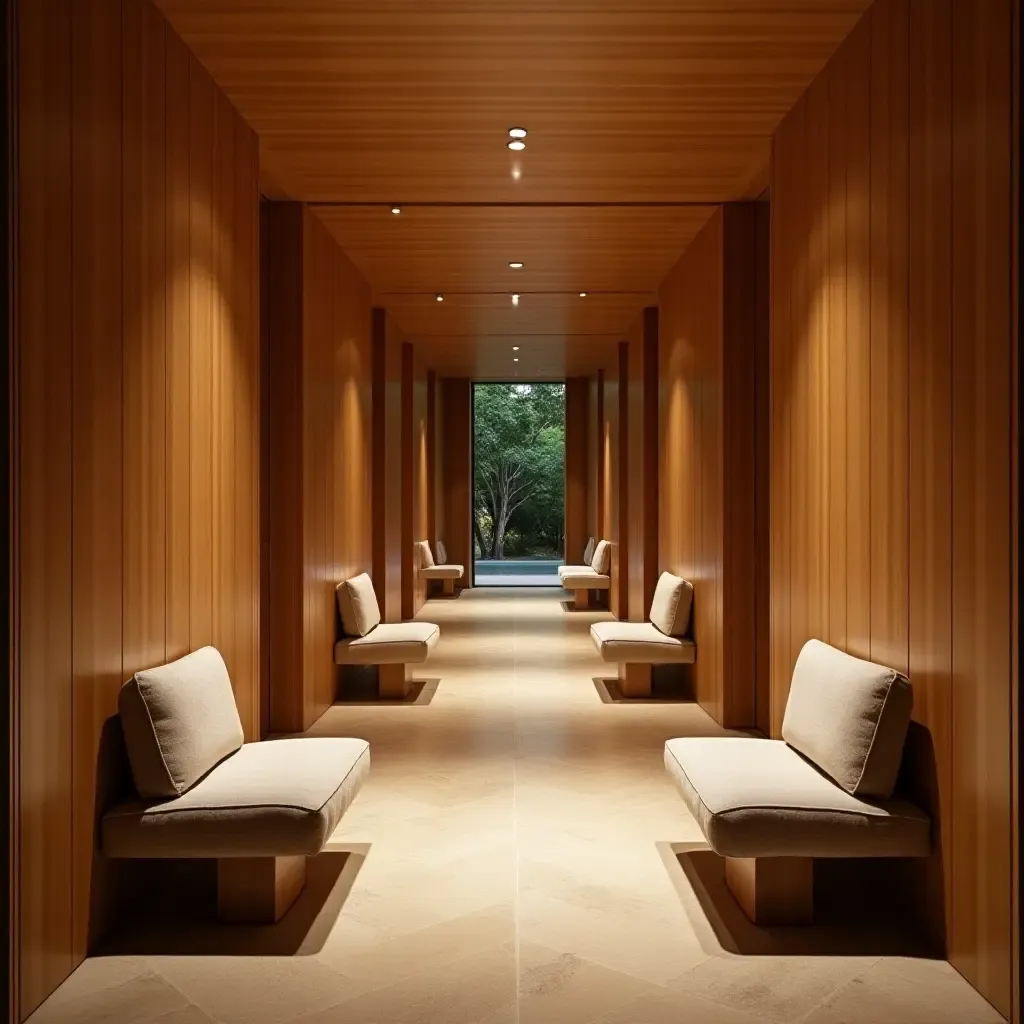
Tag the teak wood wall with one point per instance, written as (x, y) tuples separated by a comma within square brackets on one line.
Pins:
[(713, 339), (137, 360), (595, 455), (614, 478), (318, 490), (642, 463), (893, 423), (417, 477), (577, 424), (387, 466), (455, 526)]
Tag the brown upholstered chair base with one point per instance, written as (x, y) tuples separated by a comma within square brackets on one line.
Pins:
[(258, 890), (773, 890), (634, 679)]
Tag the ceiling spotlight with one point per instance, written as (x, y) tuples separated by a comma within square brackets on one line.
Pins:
[(440, 298), (515, 348), (517, 145), (517, 133), (515, 266), (396, 210), (515, 300), (583, 295), (515, 359)]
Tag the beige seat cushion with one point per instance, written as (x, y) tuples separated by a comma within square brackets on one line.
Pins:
[(391, 643), (442, 572), (848, 716), (585, 581), (588, 551), (760, 798), (179, 720), (575, 570), (273, 799), (602, 560), (426, 555), (670, 607), (640, 643), (358, 606)]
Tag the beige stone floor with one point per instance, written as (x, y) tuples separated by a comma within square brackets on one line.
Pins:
[(511, 862)]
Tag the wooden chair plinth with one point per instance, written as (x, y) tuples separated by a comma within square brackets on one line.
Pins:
[(393, 681), (448, 587), (581, 599), (634, 679), (773, 890), (258, 890)]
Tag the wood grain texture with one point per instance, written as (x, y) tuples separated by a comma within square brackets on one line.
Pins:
[(110, 403), (611, 494), (595, 463), (319, 439), (892, 423), (642, 464), (387, 466), (456, 429), (577, 394), (416, 474)]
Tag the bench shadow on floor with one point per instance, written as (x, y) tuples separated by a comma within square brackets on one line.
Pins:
[(852, 915), (184, 922)]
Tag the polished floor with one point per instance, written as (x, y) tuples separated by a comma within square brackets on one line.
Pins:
[(517, 855)]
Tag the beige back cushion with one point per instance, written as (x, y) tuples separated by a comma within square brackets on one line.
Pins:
[(426, 556), (670, 608), (588, 551), (602, 557), (357, 604), (848, 716), (179, 721), (442, 553)]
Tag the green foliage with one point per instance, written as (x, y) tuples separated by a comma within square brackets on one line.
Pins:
[(519, 493)]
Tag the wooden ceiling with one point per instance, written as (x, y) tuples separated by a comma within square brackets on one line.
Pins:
[(408, 102)]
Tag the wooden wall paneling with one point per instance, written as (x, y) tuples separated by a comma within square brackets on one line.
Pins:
[(430, 458), (421, 474), (610, 458), (642, 463), (618, 471), (44, 570), (577, 395), (929, 413), (981, 946), (594, 461), (96, 302), (457, 467), (177, 337)]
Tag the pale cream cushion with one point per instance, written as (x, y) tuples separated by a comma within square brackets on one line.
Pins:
[(848, 716), (391, 643), (358, 606), (588, 551), (442, 553), (273, 799), (760, 798), (426, 556), (640, 643), (670, 607), (601, 561), (178, 720), (442, 572), (575, 570), (588, 580)]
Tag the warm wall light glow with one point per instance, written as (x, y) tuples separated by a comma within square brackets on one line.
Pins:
[(517, 171), (517, 145), (516, 266), (396, 210), (440, 298), (515, 300)]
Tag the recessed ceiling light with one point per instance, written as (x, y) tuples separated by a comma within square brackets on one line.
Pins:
[(396, 210), (517, 133), (515, 348), (515, 300), (583, 295), (440, 298), (517, 145), (515, 266), (515, 359)]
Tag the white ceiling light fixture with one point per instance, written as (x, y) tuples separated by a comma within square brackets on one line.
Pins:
[(516, 145), (517, 133), (515, 266), (396, 210), (583, 295), (515, 359), (515, 139), (439, 298), (515, 348), (515, 299)]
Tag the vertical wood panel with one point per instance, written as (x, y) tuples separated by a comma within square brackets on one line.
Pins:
[(457, 432), (576, 467), (44, 354), (916, 204)]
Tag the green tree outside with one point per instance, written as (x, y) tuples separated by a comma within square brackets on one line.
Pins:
[(519, 486)]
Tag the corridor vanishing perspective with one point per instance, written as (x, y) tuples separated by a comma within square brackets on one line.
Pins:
[(518, 854)]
